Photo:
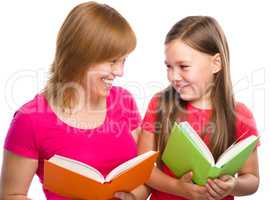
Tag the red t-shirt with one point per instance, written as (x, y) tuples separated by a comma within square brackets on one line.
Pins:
[(198, 118)]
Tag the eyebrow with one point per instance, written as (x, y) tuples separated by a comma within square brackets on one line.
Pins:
[(177, 62)]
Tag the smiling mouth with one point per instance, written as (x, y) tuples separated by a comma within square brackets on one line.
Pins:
[(181, 87), (108, 82)]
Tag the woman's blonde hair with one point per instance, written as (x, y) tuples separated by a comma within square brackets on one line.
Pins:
[(204, 34), (92, 33)]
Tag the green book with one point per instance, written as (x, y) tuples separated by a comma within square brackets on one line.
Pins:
[(185, 151)]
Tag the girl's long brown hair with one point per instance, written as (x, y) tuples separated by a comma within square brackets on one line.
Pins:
[(204, 34), (91, 33)]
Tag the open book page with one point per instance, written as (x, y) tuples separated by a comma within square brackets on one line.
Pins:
[(234, 150), (127, 165), (78, 167), (202, 147)]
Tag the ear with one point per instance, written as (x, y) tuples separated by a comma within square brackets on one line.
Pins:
[(216, 63)]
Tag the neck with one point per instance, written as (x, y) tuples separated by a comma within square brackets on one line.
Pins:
[(88, 104), (94, 102), (203, 103)]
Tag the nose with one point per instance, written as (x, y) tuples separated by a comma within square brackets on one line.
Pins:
[(176, 74), (118, 70)]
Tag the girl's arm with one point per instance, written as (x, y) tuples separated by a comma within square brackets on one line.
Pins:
[(16, 176), (140, 193), (246, 183), (164, 183), (158, 179), (248, 177)]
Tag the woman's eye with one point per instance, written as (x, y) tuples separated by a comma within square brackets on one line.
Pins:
[(118, 61), (113, 61), (168, 66)]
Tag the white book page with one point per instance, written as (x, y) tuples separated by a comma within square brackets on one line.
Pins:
[(77, 167), (127, 165), (201, 145), (233, 151)]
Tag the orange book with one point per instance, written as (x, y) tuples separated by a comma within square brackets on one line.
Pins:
[(76, 180)]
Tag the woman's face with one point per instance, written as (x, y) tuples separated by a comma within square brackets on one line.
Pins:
[(100, 76), (189, 71)]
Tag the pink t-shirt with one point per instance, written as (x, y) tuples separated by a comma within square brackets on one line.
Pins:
[(36, 132), (197, 118)]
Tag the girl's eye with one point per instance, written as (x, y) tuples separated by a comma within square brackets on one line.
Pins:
[(183, 66)]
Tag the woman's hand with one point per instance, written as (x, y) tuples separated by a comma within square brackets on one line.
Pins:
[(142, 192), (125, 195), (190, 190), (221, 187)]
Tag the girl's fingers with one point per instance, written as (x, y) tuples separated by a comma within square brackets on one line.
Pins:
[(209, 197), (211, 192), (214, 189), (221, 184)]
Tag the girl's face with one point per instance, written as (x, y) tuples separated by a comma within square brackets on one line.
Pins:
[(100, 77), (190, 72)]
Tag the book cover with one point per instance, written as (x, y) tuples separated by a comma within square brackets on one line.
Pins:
[(185, 151), (76, 180)]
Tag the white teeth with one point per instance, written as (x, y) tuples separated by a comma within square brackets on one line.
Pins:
[(107, 81)]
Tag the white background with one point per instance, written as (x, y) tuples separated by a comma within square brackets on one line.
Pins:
[(28, 32)]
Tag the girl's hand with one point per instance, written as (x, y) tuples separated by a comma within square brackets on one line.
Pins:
[(221, 187), (125, 195), (190, 190)]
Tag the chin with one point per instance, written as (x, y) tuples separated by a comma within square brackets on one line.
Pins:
[(187, 97), (104, 93)]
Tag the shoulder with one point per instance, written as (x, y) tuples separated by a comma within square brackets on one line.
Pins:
[(245, 122), (32, 110), (154, 101), (244, 117), (22, 136), (161, 96), (119, 91), (33, 107), (120, 95), (120, 101), (242, 110)]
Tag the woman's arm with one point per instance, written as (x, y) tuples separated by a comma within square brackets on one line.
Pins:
[(16, 176)]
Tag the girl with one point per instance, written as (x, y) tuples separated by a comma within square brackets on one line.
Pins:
[(200, 92), (79, 114)]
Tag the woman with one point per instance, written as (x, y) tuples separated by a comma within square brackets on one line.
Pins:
[(79, 114)]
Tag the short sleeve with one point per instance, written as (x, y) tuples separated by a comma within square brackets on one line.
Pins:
[(21, 138), (131, 110), (149, 122), (245, 125)]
